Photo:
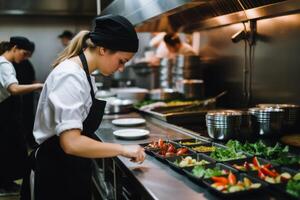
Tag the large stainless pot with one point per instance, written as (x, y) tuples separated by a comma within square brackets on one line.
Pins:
[(134, 94), (117, 106), (191, 88), (223, 124), (291, 114), (268, 120)]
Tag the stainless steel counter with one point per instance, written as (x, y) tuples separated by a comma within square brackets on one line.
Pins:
[(154, 177)]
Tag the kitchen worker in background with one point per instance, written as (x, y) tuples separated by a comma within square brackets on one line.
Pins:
[(168, 45), (13, 151), (175, 46), (68, 113), (26, 75), (65, 37)]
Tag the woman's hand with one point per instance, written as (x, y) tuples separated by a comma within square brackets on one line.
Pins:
[(135, 152)]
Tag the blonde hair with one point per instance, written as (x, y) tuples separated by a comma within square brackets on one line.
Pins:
[(77, 44)]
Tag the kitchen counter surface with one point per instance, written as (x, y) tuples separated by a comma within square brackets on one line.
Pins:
[(155, 179)]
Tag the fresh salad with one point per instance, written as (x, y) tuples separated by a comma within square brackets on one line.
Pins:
[(202, 172), (293, 186), (225, 154), (189, 143), (254, 165), (203, 149), (189, 161), (230, 184), (259, 149), (166, 149)]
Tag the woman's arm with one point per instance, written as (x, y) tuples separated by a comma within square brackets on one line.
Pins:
[(16, 89), (73, 143)]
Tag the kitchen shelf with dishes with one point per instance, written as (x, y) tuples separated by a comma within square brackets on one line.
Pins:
[(232, 169)]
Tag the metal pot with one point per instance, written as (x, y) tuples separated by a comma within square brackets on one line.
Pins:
[(191, 88), (291, 114), (268, 120), (117, 106), (133, 94), (223, 124)]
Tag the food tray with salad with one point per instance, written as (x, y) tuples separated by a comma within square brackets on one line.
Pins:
[(200, 172), (169, 149), (180, 162), (234, 185), (292, 187), (190, 142), (222, 154), (249, 164)]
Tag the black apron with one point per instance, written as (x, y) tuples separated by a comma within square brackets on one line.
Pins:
[(13, 150), (61, 176)]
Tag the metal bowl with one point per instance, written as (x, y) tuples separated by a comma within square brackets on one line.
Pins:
[(117, 106), (291, 114), (223, 124), (268, 120)]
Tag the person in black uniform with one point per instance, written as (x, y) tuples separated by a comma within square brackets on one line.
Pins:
[(68, 113), (13, 151), (65, 37), (26, 75)]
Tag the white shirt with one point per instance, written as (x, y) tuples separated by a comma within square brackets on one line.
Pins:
[(7, 77), (64, 102)]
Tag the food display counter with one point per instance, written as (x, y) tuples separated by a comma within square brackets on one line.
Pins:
[(118, 178)]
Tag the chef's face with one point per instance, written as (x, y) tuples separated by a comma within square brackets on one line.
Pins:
[(20, 54), (114, 61)]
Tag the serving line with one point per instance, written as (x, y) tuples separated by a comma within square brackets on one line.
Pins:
[(153, 179)]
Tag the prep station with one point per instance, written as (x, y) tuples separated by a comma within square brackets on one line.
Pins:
[(219, 122), (118, 178)]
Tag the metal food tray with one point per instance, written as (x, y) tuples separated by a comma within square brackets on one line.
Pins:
[(186, 117)]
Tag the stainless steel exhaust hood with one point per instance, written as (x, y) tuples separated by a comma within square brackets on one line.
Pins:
[(190, 15), (157, 12)]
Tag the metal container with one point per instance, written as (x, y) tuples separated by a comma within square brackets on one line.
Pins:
[(182, 61), (164, 94), (268, 120), (133, 94), (166, 68), (291, 114), (223, 124), (191, 88), (118, 106)]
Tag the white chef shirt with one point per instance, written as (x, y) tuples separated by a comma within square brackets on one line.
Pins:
[(7, 77), (64, 102)]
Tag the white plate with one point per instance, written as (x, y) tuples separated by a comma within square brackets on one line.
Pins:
[(131, 133), (128, 121)]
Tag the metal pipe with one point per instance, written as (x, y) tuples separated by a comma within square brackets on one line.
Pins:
[(98, 7)]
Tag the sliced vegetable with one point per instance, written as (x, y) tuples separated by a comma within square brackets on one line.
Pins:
[(222, 180), (231, 178)]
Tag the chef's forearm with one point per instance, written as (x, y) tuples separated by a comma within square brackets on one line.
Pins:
[(74, 143)]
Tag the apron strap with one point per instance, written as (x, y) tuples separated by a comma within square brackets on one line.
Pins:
[(86, 69)]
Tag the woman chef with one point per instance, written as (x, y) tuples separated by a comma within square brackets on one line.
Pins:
[(13, 152), (68, 113)]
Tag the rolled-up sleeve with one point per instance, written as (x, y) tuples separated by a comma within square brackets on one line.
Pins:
[(67, 99), (7, 75)]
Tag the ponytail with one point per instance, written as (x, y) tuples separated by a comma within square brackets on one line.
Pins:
[(77, 44), (5, 46)]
